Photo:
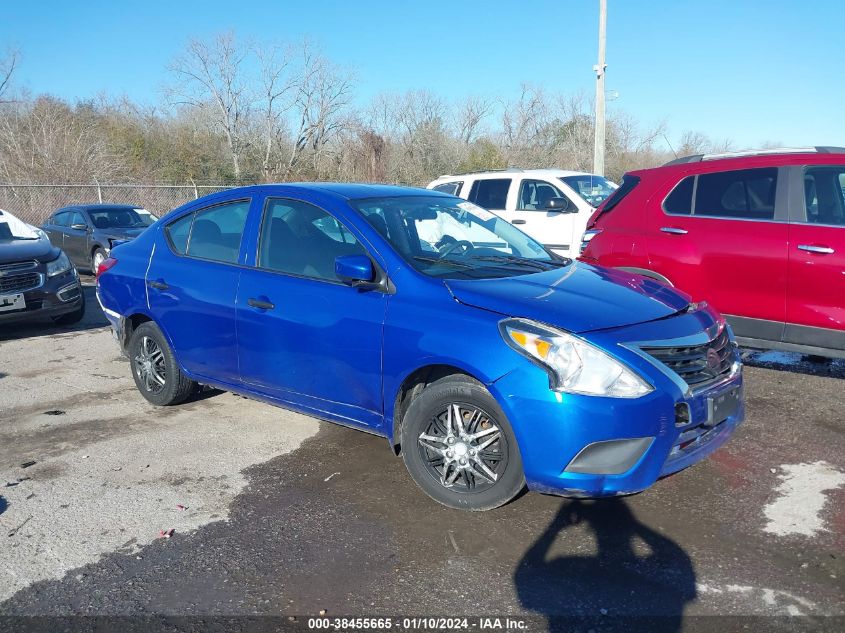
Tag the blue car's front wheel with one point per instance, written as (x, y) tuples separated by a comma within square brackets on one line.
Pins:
[(459, 448)]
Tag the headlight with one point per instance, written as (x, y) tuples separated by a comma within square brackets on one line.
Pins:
[(574, 366), (58, 266)]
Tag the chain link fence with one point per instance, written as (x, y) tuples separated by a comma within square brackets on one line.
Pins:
[(35, 203)]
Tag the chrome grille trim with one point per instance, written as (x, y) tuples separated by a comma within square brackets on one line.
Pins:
[(699, 365), (18, 277), (18, 266)]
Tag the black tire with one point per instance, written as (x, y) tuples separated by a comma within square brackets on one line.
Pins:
[(71, 318), (98, 253), (161, 381), (427, 417)]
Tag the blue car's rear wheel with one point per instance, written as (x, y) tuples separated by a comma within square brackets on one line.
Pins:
[(459, 447), (154, 368)]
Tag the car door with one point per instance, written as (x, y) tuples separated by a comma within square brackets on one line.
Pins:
[(76, 239), (492, 194), (815, 310), (303, 336), (56, 226), (552, 227), (722, 237), (192, 284)]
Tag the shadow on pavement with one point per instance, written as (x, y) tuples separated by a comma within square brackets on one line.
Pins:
[(795, 363), (635, 575), (93, 319)]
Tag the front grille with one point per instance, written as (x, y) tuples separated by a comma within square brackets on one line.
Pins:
[(697, 365), (18, 266), (18, 282)]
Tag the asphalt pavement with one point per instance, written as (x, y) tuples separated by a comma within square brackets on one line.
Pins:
[(275, 513)]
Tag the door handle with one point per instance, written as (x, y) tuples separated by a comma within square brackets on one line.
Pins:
[(260, 304), (158, 285), (673, 231), (518, 222), (822, 250)]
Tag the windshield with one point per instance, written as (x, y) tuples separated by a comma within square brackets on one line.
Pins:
[(13, 229), (594, 189), (121, 218), (449, 237)]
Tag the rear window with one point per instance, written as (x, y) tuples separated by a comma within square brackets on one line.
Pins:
[(627, 186), (679, 201), (490, 193)]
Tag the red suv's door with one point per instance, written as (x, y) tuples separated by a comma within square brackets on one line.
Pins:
[(722, 238), (815, 306)]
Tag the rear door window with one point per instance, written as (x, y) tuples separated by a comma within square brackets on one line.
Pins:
[(490, 193), (824, 195), (449, 187), (747, 194), (213, 233), (216, 232)]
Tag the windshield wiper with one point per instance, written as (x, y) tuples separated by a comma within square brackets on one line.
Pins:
[(524, 261), (437, 260)]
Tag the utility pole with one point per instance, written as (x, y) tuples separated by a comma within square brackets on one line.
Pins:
[(598, 148)]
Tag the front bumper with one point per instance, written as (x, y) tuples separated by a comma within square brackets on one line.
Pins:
[(54, 297), (588, 446)]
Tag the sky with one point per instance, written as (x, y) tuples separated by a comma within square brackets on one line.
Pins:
[(750, 71)]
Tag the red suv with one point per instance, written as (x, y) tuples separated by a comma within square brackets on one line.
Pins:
[(758, 235)]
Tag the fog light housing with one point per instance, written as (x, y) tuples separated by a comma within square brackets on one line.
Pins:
[(682, 414)]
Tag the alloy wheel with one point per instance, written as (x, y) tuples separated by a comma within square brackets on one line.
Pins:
[(150, 366), (99, 258), (464, 449)]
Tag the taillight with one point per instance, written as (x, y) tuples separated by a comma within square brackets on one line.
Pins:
[(588, 236), (105, 265)]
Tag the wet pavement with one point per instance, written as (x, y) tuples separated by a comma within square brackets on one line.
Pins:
[(333, 523)]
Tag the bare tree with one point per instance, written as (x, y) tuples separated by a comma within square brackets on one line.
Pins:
[(8, 63), (46, 141), (277, 85), (471, 114), (321, 95), (213, 76)]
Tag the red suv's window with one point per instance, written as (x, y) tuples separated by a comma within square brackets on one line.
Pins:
[(824, 195), (739, 194), (679, 202)]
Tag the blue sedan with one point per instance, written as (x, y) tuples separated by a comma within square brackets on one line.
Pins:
[(487, 362)]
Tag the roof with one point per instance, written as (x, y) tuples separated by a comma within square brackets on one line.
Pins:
[(551, 172), (776, 151), (353, 190), (94, 206), (344, 190)]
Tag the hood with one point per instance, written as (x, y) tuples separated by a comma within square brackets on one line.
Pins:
[(578, 298), (27, 250)]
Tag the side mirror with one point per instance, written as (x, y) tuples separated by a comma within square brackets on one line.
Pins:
[(561, 205), (354, 270), (79, 227)]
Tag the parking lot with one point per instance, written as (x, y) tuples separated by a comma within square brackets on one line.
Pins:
[(274, 512)]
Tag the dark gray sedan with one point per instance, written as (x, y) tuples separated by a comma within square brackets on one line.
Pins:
[(87, 232)]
